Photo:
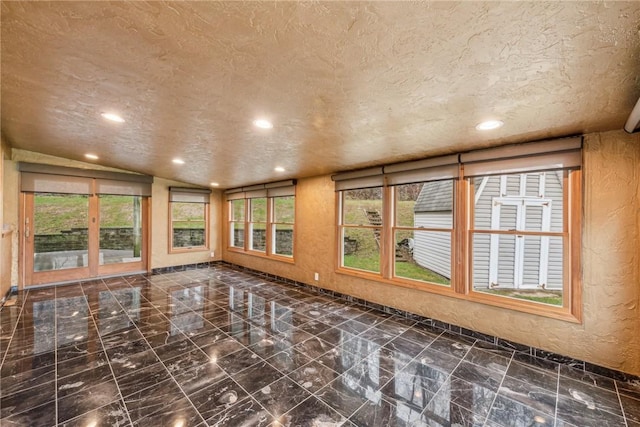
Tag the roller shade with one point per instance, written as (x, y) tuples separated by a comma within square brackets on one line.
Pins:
[(189, 195), (281, 188), (272, 189), (41, 178), (434, 169), (365, 178), (255, 194), (123, 188), (45, 183), (565, 153)]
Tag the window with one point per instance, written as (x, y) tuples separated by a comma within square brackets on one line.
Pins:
[(498, 226), (361, 228), (423, 231), (189, 219), (267, 213), (236, 223), (519, 235), (258, 224), (284, 214)]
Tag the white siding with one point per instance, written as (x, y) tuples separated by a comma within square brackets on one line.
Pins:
[(432, 250)]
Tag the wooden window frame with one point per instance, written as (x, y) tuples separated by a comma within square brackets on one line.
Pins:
[(269, 251), (461, 257), (273, 225), (202, 248)]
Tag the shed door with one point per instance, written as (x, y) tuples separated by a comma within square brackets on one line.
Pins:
[(519, 261)]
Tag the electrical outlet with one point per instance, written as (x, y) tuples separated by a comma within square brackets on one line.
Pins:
[(316, 276), (213, 254)]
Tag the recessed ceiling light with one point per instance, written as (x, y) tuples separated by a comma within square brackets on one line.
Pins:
[(214, 184), (263, 124), (489, 125), (113, 117), (178, 161), (91, 156), (279, 169)]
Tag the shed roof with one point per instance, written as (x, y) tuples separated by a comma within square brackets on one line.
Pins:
[(436, 196)]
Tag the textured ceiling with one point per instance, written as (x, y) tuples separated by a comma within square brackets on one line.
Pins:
[(346, 84)]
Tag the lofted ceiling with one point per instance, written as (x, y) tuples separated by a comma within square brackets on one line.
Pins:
[(346, 84)]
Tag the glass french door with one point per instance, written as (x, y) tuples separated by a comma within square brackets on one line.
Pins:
[(78, 236)]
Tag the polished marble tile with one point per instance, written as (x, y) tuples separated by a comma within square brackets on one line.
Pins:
[(87, 399), (44, 415), (346, 395), (257, 377), (312, 412), (218, 346), (507, 413), (280, 396), (288, 361), (247, 413), (151, 400), (219, 397), (313, 376), (142, 379), (590, 396), (631, 408), (27, 400)]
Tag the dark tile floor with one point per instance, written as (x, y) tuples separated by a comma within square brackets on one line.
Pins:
[(221, 347)]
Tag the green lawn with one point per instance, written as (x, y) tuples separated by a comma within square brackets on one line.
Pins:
[(541, 296), (406, 270)]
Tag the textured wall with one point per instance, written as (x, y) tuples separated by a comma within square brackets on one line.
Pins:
[(608, 335)]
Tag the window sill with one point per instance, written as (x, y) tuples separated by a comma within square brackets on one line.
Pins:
[(538, 309), (188, 250), (280, 258)]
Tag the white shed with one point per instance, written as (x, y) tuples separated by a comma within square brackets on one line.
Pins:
[(530, 201)]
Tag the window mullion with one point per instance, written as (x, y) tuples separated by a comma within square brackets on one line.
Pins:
[(387, 244)]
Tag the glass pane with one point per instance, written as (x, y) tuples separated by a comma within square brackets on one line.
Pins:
[(424, 256), (60, 228), (120, 229), (237, 234), (528, 201), (284, 209), (189, 224), (283, 239), (361, 248), (428, 204), (517, 266), (237, 210), (362, 207), (258, 237), (258, 210)]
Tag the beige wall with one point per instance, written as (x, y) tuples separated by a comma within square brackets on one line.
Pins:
[(608, 335), (160, 256)]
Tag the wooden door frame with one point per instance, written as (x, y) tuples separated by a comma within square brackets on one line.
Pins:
[(94, 270)]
